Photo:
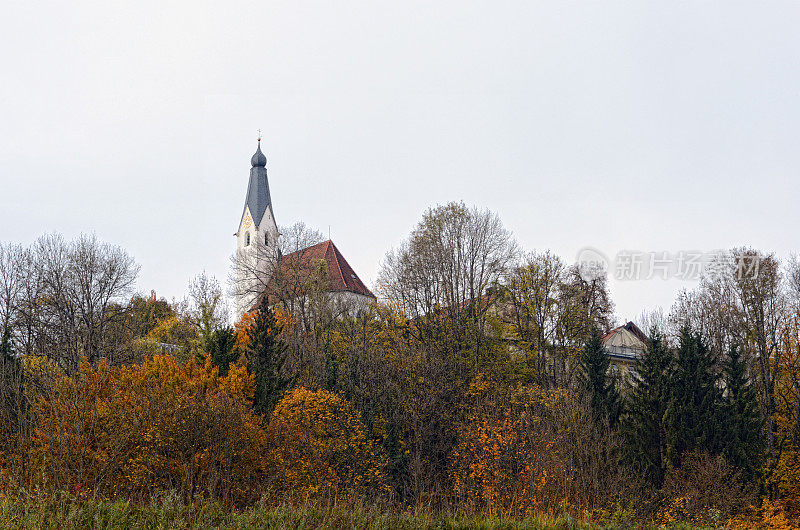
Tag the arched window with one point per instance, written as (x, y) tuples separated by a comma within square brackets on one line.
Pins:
[(247, 239), (266, 238)]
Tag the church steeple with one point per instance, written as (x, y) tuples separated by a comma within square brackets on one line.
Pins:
[(258, 196), (257, 236)]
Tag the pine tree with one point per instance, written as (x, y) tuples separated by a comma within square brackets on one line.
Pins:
[(693, 416), (643, 424), (744, 425), (13, 403), (220, 346), (601, 388), (266, 357), (6, 347)]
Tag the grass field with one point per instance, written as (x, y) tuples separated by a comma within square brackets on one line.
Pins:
[(67, 512)]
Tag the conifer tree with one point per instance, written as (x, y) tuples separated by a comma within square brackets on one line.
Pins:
[(744, 425), (693, 419), (12, 394), (266, 355), (643, 424), (220, 346), (6, 348), (599, 386)]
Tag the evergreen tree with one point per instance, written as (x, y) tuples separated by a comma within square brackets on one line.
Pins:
[(601, 388), (744, 425), (266, 357), (693, 416), (220, 346), (643, 424), (331, 372), (12, 393), (6, 348)]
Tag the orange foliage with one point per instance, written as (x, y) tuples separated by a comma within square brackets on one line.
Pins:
[(504, 463), (285, 320), (770, 515), (148, 427), (242, 327), (320, 447)]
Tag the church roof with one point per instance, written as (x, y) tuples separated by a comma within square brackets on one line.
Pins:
[(258, 197), (341, 276)]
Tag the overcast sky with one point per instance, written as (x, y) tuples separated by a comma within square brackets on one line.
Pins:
[(649, 126)]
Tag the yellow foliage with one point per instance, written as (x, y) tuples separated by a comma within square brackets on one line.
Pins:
[(320, 447), (770, 515), (786, 471), (179, 332)]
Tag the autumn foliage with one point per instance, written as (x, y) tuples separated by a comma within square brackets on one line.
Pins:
[(531, 450), (149, 427), (321, 448), (463, 390)]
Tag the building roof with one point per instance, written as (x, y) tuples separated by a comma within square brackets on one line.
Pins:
[(625, 342), (631, 327), (258, 198), (341, 276)]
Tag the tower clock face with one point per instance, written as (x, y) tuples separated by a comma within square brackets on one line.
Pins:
[(247, 221)]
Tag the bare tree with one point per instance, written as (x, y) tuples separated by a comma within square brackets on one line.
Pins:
[(712, 310), (30, 304), (13, 403), (443, 275), (654, 318), (592, 295), (295, 278), (763, 305), (256, 270), (101, 274), (534, 289), (68, 294), (10, 285), (208, 307), (793, 280)]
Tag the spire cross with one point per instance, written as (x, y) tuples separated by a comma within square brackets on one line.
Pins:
[(259, 135)]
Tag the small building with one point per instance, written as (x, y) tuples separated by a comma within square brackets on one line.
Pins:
[(624, 345)]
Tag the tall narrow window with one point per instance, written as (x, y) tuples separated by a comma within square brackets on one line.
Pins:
[(247, 239), (266, 238)]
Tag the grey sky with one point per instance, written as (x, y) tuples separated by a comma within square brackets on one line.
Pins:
[(621, 125)]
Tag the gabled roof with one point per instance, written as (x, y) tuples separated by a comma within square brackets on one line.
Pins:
[(341, 276), (631, 327), (258, 197), (625, 342)]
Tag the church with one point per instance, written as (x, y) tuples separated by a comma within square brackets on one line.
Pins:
[(261, 263)]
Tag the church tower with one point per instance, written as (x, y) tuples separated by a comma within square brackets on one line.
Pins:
[(256, 238)]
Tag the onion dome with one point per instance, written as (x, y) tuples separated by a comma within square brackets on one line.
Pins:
[(258, 160)]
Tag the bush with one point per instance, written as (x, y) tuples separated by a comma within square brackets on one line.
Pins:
[(536, 450), (705, 490), (319, 447), (149, 427)]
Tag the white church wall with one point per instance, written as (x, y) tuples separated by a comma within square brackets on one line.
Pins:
[(255, 256)]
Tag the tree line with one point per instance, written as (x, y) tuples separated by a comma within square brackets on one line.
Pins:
[(477, 380)]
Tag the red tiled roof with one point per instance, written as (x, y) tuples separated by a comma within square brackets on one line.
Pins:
[(341, 276)]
